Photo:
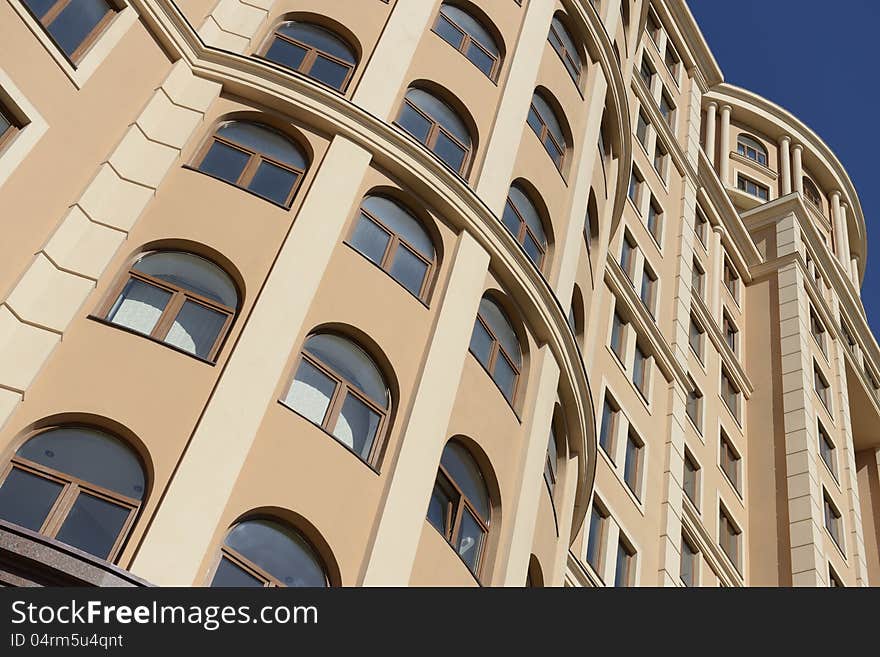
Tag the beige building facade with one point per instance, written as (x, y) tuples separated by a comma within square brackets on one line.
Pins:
[(411, 292)]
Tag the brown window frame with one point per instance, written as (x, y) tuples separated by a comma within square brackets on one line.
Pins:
[(73, 487), (394, 241), (466, 41), (458, 502), (310, 57), (545, 132), (564, 54), (342, 389), (525, 230), (498, 349), (14, 127), (729, 536), (250, 169), (85, 45), (431, 140), (730, 461), (179, 296)]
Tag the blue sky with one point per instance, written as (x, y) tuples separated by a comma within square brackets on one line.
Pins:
[(818, 64)]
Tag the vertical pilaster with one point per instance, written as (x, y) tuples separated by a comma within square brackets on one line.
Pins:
[(711, 119), (724, 150), (797, 168), (785, 165)]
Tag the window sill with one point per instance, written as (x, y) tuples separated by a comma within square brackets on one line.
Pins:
[(125, 329)]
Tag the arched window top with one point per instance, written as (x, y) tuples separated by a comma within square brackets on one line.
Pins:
[(265, 140), (549, 116), (522, 219), (473, 27), (190, 272), (465, 472), (440, 112), (500, 325), (545, 123), (563, 43), (749, 147), (401, 221), (90, 455), (266, 552), (319, 38), (811, 191), (351, 362)]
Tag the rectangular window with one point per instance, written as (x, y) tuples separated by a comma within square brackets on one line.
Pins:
[(640, 372), (642, 129), (833, 520), (655, 219), (608, 429), (751, 187), (818, 331), (624, 572), (648, 293), (731, 333), (700, 225), (667, 110), (596, 540), (660, 156), (730, 461), (653, 27), (689, 554), (850, 340), (730, 393), (8, 126), (822, 387), (729, 536), (73, 25), (695, 405), (827, 450), (646, 71), (632, 465), (628, 256), (635, 188), (833, 580), (731, 279), (691, 479), (618, 337), (672, 60), (696, 338), (698, 279)]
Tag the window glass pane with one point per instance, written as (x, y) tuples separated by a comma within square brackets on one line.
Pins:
[(286, 53), (90, 455), (449, 151), (40, 7), (594, 542), (470, 25), (606, 429), (559, 37), (370, 239), (532, 249), (496, 319), (414, 123), (549, 117), (229, 574), (464, 472), (534, 121), (224, 162), (440, 112), (622, 574), (505, 376), (511, 220), (356, 426), (481, 343), (93, 525), (399, 220), (438, 509), (273, 182), (447, 32), (310, 392), (195, 329), (330, 72), (527, 211), (139, 306), (25, 498), (481, 59), (279, 550), (192, 273), (318, 38), (75, 22), (264, 140), (4, 124), (470, 540), (351, 362), (409, 270)]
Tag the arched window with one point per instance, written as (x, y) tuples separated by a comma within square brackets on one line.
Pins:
[(254, 157), (551, 463), (339, 387), (313, 51), (78, 485), (467, 35), (268, 553), (459, 507), (74, 25), (751, 148), (437, 126), (389, 235), (811, 192), (522, 220), (546, 126), (563, 44), (177, 298), (495, 345)]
